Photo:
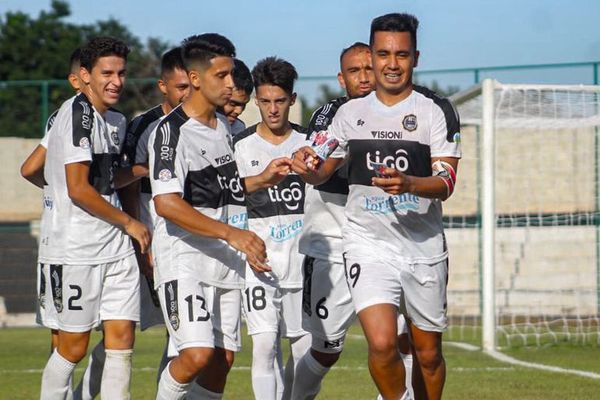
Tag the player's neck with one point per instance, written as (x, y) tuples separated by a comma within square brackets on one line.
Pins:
[(166, 108), (391, 98), (95, 100), (274, 136), (203, 111)]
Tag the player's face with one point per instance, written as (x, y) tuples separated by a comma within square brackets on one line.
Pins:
[(274, 105), (175, 87), (357, 73), (393, 61), (214, 82), (106, 80), (236, 104)]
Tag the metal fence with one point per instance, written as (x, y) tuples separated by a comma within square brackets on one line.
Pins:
[(27, 104)]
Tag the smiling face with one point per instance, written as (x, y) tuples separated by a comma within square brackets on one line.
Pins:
[(105, 81), (394, 59), (175, 86), (236, 104), (356, 75), (274, 104)]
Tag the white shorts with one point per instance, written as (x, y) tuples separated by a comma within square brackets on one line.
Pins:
[(418, 290), (45, 313), (150, 311), (271, 309), (85, 295), (199, 315), (327, 309)]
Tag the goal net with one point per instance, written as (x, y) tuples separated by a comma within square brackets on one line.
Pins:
[(523, 225)]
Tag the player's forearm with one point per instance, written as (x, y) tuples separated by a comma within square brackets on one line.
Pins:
[(432, 187), (35, 177), (253, 183), (86, 197), (178, 211), (33, 168), (130, 199), (126, 176)]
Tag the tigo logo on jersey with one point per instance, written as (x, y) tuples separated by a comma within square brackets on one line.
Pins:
[(391, 204), (410, 122), (165, 175), (290, 196), (284, 232), (399, 161), (233, 185)]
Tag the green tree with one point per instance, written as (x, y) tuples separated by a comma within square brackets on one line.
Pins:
[(39, 48)]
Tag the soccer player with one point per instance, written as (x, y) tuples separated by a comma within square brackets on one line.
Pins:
[(402, 152), (328, 311), (196, 188), (33, 170), (273, 301), (97, 279), (136, 200), (242, 79)]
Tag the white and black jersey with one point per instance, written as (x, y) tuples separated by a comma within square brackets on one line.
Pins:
[(324, 206), (47, 254), (81, 134), (405, 136), (196, 162), (275, 214), (135, 132)]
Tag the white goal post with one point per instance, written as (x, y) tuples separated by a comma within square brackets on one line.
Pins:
[(534, 193)]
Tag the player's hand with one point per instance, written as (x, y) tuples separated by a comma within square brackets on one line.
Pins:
[(305, 161), (140, 233), (276, 171), (250, 244), (145, 263), (393, 181)]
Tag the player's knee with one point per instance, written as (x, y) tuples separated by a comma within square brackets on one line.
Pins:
[(325, 359), (229, 359), (383, 346), (119, 335), (195, 359), (430, 359), (74, 350)]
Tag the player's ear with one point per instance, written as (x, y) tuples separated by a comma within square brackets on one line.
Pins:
[(194, 79), (341, 80), (162, 86), (84, 74), (293, 98)]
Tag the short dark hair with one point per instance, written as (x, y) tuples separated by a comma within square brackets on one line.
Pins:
[(242, 78), (102, 46), (275, 71), (201, 49), (396, 22), (75, 60), (170, 61), (356, 45)]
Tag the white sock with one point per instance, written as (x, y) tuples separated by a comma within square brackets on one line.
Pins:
[(89, 387), (307, 378), (70, 389), (163, 361), (198, 392), (407, 360), (169, 388), (56, 377), (299, 347), (405, 396), (116, 376), (279, 369), (264, 356)]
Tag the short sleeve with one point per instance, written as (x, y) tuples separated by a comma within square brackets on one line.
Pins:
[(445, 131), (76, 131), (167, 165), (339, 131)]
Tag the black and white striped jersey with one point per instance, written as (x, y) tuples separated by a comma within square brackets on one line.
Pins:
[(322, 235), (195, 162), (81, 134), (406, 228), (275, 214)]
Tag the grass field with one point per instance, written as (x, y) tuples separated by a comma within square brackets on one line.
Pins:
[(471, 374)]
